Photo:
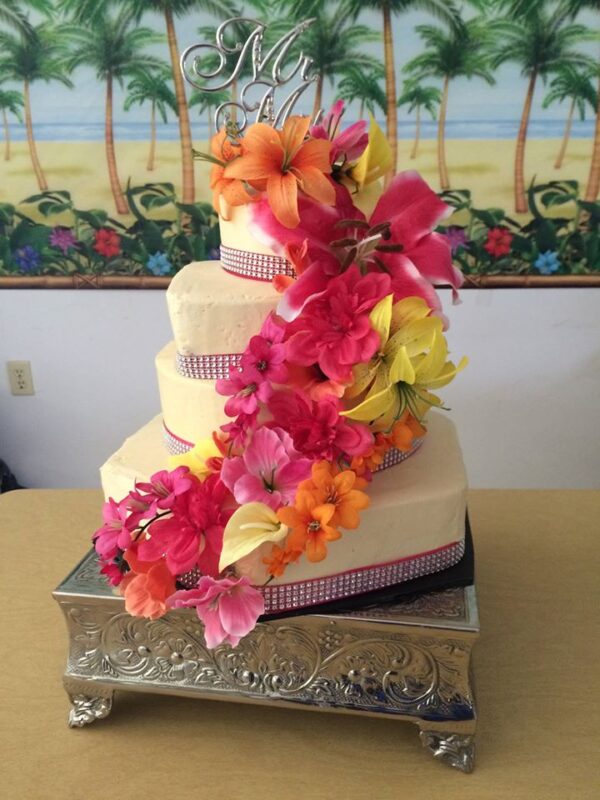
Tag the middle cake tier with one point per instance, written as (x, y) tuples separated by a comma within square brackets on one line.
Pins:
[(192, 408)]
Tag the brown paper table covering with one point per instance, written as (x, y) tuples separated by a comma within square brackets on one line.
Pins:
[(536, 671)]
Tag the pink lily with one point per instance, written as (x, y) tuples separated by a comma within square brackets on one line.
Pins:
[(268, 472), (228, 608), (347, 145), (165, 486), (397, 239), (245, 387)]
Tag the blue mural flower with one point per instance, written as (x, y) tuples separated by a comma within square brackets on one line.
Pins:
[(27, 258), (159, 264), (547, 263)]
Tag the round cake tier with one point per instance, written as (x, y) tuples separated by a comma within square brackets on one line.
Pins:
[(191, 408)]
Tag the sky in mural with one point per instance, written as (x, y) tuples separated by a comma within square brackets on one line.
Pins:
[(475, 111)]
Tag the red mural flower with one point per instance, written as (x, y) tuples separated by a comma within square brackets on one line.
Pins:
[(498, 242), (107, 243)]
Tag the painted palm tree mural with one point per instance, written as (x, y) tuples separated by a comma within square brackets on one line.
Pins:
[(574, 87), (540, 44), (495, 102), (152, 87), (11, 102), (417, 96)]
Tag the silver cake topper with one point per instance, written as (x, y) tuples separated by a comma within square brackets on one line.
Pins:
[(267, 72)]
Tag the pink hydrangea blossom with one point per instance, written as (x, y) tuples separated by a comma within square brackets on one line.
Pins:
[(316, 427), (266, 359), (165, 486), (334, 329), (245, 389), (193, 535), (347, 145), (228, 608), (268, 472)]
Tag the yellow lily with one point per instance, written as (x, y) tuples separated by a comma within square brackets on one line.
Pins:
[(196, 458), (411, 361), (249, 527), (375, 160)]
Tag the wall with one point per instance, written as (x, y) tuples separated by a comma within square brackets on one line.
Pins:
[(526, 407)]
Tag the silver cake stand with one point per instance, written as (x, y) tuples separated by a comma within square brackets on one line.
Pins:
[(409, 660)]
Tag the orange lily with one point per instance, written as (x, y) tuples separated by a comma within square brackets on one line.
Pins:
[(281, 162), (233, 191), (310, 523), (342, 489)]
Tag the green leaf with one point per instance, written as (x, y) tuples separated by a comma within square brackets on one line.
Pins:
[(153, 201), (545, 236), (490, 217), (25, 233), (96, 218), (47, 207)]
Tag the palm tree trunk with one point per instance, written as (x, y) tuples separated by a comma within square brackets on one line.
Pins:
[(111, 159), (417, 134), (151, 154), (6, 135), (361, 113), (188, 191), (318, 96), (210, 124), (520, 199), (390, 87), (37, 167), (567, 133), (593, 184), (441, 143)]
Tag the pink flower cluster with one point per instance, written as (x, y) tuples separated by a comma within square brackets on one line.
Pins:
[(166, 528)]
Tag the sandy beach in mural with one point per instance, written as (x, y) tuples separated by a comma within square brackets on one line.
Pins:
[(484, 166)]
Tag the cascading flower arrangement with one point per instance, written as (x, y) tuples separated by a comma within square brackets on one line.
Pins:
[(340, 374)]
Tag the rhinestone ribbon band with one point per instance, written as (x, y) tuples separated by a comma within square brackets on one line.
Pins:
[(176, 446), (207, 368), (260, 266), (290, 596)]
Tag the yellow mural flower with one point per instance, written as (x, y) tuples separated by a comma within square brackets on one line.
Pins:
[(411, 361), (375, 160), (196, 458)]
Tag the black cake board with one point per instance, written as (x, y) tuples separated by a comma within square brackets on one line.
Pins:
[(461, 574)]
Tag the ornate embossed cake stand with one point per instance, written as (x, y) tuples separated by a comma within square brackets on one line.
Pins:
[(409, 660)]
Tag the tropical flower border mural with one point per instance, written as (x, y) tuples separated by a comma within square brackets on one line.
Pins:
[(547, 234)]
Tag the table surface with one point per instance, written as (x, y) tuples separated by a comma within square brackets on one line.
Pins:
[(536, 674)]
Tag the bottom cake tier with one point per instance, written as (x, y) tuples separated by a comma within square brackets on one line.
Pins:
[(415, 525)]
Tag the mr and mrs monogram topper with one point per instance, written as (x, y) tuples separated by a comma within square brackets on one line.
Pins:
[(268, 73)]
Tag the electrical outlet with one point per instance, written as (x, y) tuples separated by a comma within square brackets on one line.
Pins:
[(19, 376)]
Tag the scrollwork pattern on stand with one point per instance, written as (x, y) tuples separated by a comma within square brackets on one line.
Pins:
[(324, 663)]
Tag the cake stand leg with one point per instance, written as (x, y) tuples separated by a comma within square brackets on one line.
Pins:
[(89, 702), (455, 749)]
